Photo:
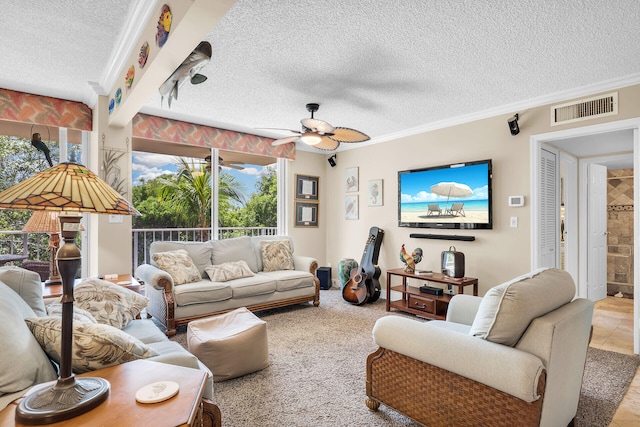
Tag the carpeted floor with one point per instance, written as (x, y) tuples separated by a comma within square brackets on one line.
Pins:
[(317, 370)]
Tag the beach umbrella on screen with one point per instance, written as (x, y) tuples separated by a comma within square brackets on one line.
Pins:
[(451, 189)]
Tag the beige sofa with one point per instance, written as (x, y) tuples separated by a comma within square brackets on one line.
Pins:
[(24, 363), (516, 355), (174, 305)]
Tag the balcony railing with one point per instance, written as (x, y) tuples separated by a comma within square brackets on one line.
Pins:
[(143, 237), (35, 245)]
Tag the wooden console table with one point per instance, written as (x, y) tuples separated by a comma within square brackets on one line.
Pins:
[(423, 304), (121, 407)]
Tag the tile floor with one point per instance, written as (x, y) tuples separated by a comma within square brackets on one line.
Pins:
[(613, 331)]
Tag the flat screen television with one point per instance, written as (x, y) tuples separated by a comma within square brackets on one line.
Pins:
[(454, 196)]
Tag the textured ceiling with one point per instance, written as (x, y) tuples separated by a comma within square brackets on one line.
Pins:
[(383, 67)]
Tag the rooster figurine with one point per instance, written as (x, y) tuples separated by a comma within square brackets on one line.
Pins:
[(410, 261)]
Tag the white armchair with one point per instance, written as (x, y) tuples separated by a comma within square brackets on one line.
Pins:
[(516, 354)]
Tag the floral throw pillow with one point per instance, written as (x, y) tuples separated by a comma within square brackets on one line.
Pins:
[(228, 271), (95, 346), (276, 255), (79, 314), (108, 303), (179, 265)]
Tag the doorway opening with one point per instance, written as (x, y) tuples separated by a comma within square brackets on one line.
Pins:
[(615, 145)]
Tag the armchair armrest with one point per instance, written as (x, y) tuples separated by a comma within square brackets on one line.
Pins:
[(498, 366), (152, 275), (463, 308), (305, 263), (159, 290)]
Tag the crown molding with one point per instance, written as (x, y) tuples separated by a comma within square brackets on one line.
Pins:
[(138, 17), (562, 96)]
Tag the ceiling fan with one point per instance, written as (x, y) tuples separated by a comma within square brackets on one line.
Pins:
[(320, 134), (222, 163)]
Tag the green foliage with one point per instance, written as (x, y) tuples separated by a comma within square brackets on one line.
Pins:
[(19, 161), (261, 209), (184, 200)]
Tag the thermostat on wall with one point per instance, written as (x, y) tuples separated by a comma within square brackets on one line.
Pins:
[(516, 200)]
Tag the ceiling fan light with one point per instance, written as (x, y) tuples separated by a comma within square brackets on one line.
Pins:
[(311, 138)]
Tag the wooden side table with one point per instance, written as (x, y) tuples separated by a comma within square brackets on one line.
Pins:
[(121, 407), (423, 304), (124, 280)]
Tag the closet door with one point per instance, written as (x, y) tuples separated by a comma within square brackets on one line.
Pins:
[(549, 210)]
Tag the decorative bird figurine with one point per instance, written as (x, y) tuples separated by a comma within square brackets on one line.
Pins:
[(36, 141), (410, 261)]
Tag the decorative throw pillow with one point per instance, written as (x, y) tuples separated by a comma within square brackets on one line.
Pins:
[(79, 314), (179, 265), (95, 346), (276, 255), (506, 310), (229, 271), (27, 284), (23, 363), (109, 303)]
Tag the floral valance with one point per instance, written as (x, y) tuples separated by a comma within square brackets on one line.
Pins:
[(43, 110), (168, 130)]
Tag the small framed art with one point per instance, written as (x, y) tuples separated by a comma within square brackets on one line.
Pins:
[(351, 207), (307, 187), (306, 214), (374, 192), (351, 180)]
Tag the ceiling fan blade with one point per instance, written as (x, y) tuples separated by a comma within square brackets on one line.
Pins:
[(327, 144), (316, 125), (232, 166), (348, 135), (285, 140), (288, 130)]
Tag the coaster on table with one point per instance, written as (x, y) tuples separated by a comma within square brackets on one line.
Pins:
[(157, 392)]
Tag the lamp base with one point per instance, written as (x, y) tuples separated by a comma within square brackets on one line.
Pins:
[(64, 399)]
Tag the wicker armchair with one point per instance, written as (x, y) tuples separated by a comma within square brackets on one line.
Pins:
[(515, 356)]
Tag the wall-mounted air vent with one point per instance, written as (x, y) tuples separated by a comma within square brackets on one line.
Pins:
[(585, 109)]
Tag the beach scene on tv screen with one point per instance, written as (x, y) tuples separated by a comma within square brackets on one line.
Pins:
[(447, 195)]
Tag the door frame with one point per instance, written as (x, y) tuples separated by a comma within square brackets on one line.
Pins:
[(535, 144)]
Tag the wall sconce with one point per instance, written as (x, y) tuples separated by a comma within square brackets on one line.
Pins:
[(332, 161), (513, 125)]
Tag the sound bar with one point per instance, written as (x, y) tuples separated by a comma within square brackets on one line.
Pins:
[(431, 290), (442, 237)]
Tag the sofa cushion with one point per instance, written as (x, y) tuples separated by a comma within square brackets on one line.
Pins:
[(252, 286), (179, 265), (256, 242), (200, 252), (145, 330), (276, 255), (22, 361), (94, 345), (507, 310), (228, 271), (27, 284), (202, 292), (290, 279), (109, 303), (235, 249)]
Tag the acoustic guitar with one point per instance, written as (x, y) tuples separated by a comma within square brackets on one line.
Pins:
[(363, 285)]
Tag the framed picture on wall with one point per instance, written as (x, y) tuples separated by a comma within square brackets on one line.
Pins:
[(374, 192), (351, 207), (351, 179), (306, 214), (307, 187)]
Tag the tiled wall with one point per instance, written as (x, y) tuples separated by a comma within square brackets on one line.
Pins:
[(620, 229)]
